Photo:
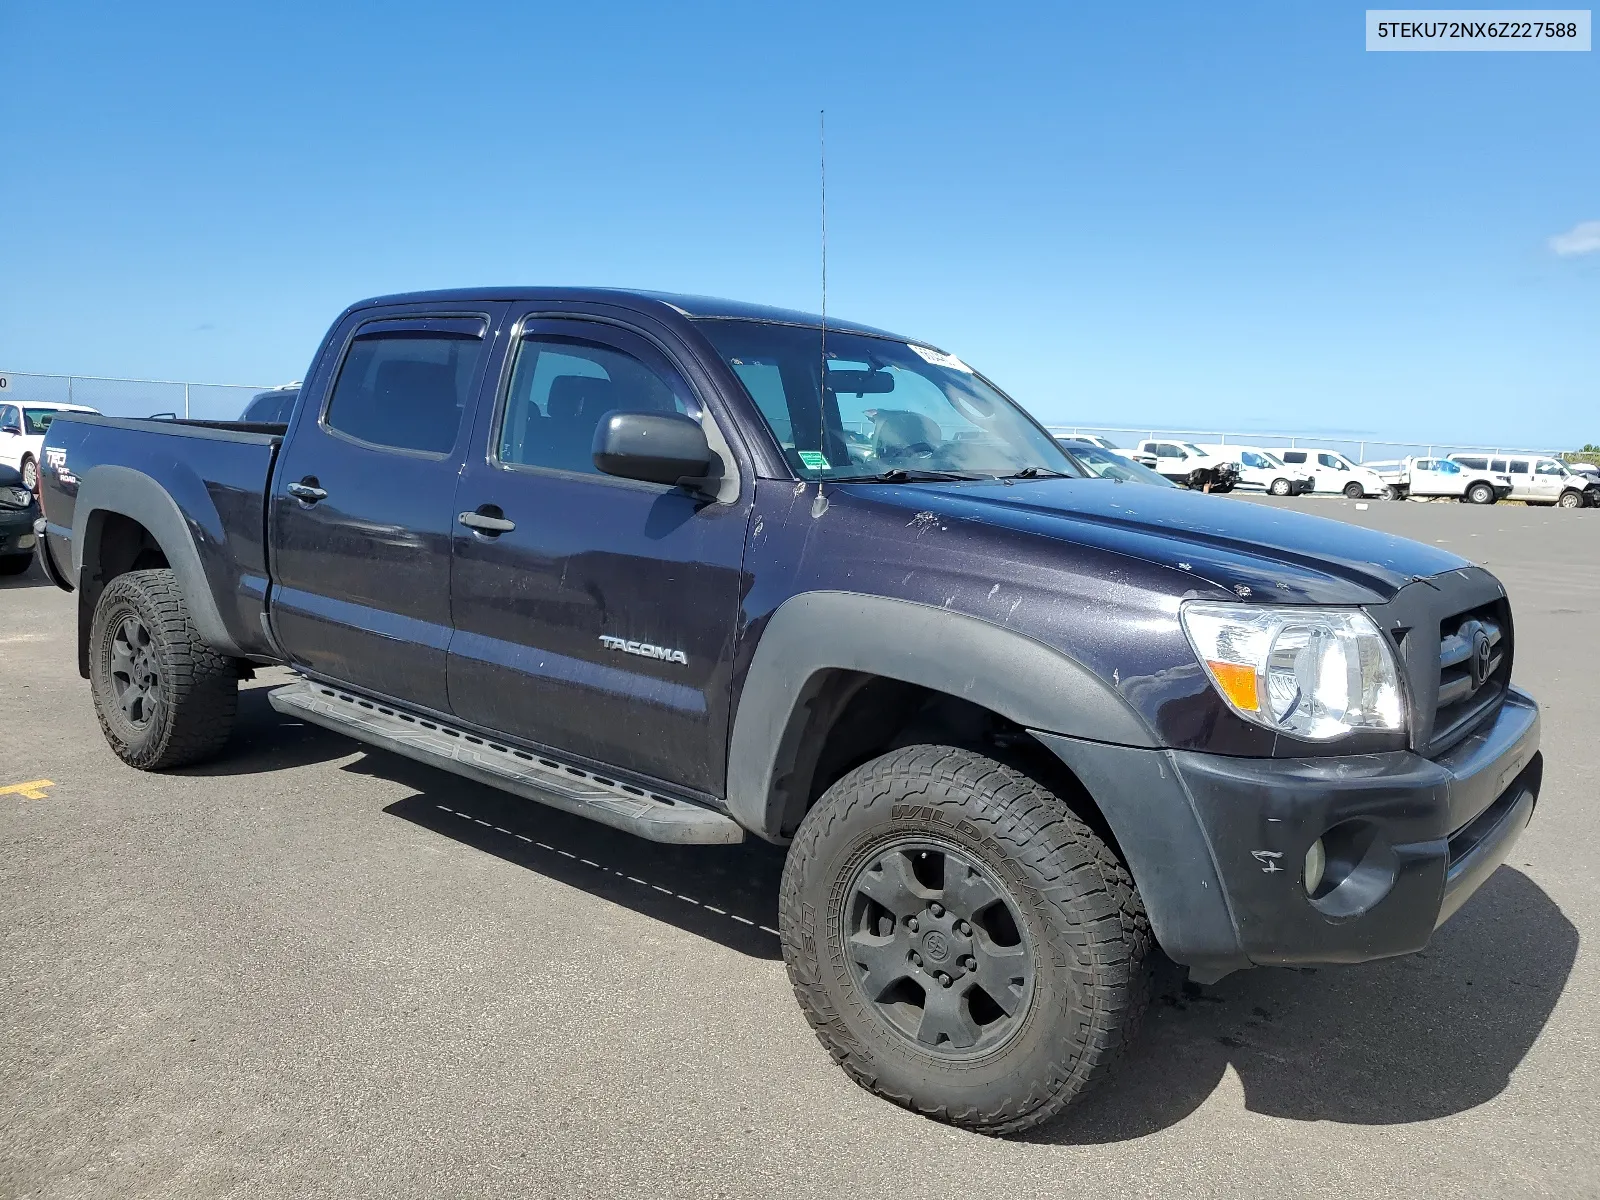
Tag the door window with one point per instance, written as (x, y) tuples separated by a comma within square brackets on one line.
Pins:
[(1519, 466), (10, 418), (1476, 463), (1498, 466), (1549, 467), (1331, 460), (561, 388), (1294, 456), (405, 389), (1445, 467), (1167, 450), (1251, 459)]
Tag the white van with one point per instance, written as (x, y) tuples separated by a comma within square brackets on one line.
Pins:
[(1262, 471), (1333, 473), (1535, 478)]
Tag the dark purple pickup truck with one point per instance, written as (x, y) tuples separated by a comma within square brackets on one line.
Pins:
[(702, 570)]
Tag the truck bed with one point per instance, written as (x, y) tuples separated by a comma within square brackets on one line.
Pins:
[(198, 487)]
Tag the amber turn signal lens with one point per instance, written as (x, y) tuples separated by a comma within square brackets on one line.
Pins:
[(1238, 683)]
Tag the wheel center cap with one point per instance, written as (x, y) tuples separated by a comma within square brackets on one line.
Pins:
[(936, 947)]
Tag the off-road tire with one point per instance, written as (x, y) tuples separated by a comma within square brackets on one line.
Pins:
[(15, 564), (199, 687), (1092, 951), (1480, 493), (1354, 491), (1570, 500)]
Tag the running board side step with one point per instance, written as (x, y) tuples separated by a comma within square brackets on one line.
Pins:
[(531, 776)]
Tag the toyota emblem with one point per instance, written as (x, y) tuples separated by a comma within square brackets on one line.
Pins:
[(1482, 658)]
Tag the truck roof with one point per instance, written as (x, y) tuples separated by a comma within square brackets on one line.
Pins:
[(639, 300)]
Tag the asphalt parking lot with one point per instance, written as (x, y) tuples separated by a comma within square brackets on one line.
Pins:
[(311, 970)]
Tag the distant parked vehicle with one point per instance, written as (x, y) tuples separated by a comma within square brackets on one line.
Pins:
[(22, 429), (1110, 464), (1262, 471), (1187, 464), (1092, 439), (1537, 479), (18, 509), (1333, 473), (271, 407), (1439, 478)]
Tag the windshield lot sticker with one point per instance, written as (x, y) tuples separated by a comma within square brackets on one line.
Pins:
[(938, 358), (814, 459)]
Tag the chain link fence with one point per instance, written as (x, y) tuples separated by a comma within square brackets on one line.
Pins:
[(131, 397), (118, 397)]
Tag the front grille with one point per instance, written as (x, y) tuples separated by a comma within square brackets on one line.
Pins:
[(1474, 671)]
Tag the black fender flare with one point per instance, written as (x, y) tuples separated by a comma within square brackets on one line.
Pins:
[(1007, 672), (137, 496)]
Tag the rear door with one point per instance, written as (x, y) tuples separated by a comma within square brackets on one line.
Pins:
[(363, 504), (595, 615), (1522, 479)]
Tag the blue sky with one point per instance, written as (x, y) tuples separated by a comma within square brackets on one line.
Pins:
[(1221, 216)]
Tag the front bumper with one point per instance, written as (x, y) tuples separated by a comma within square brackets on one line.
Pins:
[(1217, 844), (16, 531)]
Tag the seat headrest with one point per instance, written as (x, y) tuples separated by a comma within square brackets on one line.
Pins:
[(575, 396)]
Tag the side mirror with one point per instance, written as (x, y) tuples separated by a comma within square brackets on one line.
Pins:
[(655, 447)]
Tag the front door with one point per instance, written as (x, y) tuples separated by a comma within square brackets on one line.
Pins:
[(363, 507), (593, 615)]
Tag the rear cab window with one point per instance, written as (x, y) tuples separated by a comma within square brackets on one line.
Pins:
[(406, 384)]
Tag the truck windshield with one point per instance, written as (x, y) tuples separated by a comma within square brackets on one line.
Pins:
[(888, 408)]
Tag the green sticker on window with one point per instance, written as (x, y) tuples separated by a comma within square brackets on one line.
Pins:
[(814, 459)]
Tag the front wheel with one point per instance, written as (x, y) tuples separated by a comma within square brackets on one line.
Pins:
[(164, 697), (30, 473), (1571, 500), (1354, 491), (1480, 493), (1279, 487), (1393, 493), (960, 941)]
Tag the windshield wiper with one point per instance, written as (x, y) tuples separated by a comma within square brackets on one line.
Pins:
[(1037, 473), (911, 475)]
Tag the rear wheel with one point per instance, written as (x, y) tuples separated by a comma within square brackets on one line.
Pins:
[(164, 698), (1480, 493), (961, 942), (1571, 500), (1354, 491), (1279, 487)]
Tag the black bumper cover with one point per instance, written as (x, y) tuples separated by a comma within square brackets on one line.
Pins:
[(1218, 845)]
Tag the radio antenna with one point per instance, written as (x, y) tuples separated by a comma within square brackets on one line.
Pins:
[(819, 506)]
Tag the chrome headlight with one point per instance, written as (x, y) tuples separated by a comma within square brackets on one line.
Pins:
[(15, 497), (1313, 673)]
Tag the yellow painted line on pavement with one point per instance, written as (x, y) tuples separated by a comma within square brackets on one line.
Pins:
[(32, 790)]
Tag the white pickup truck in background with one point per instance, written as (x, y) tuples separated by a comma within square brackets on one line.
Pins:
[(1439, 478)]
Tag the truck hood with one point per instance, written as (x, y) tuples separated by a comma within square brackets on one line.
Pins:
[(1248, 550)]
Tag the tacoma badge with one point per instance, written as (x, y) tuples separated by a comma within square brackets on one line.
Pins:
[(644, 649)]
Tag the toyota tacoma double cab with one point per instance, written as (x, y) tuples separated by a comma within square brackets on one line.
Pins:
[(706, 571)]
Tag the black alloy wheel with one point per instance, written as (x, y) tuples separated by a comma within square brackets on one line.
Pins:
[(938, 948), (135, 673)]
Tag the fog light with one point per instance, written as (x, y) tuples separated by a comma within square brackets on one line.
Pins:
[(1316, 864)]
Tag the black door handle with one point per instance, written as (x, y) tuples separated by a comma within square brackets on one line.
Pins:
[(486, 523), (307, 491)]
